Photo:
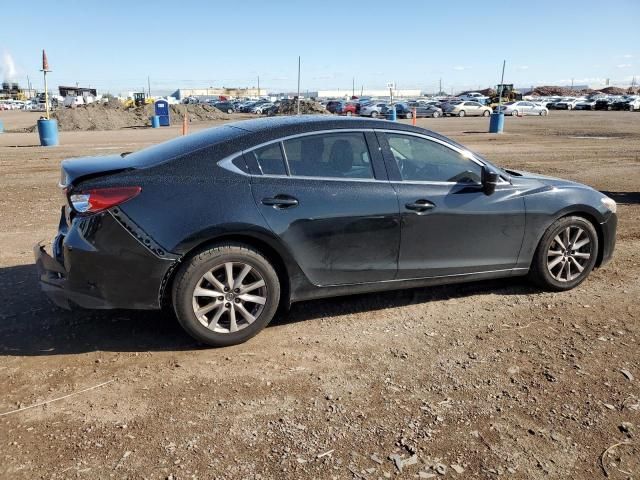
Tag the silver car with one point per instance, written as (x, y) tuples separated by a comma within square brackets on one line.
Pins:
[(372, 109), (522, 107)]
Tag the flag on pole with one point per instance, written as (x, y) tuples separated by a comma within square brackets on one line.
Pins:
[(45, 63)]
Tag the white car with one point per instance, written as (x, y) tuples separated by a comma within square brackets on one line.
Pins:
[(260, 109), (372, 110), (568, 103), (589, 104), (522, 107), (475, 97)]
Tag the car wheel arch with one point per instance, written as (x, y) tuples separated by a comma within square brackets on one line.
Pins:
[(588, 216), (275, 254)]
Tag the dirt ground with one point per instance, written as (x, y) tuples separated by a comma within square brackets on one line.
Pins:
[(482, 380)]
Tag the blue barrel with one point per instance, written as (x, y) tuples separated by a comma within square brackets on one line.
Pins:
[(496, 123), (155, 121), (392, 113), (1, 126), (48, 132)]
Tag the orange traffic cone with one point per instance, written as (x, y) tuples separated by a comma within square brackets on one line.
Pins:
[(413, 121), (185, 123)]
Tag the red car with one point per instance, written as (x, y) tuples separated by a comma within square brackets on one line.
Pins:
[(346, 108)]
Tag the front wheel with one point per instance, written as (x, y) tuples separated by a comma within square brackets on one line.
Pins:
[(374, 114), (486, 113), (436, 114), (461, 113), (514, 113), (543, 113), (408, 116), (229, 110), (226, 294), (565, 255)]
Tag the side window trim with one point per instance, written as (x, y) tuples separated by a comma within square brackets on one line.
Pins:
[(255, 169)]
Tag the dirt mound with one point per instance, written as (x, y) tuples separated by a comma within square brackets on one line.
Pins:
[(307, 107), (113, 115), (614, 91), (487, 92), (553, 91)]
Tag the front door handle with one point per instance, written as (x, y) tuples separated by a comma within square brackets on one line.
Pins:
[(420, 206), (280, 201)]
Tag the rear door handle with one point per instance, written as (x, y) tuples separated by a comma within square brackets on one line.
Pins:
[(420, 205), (280, 201)]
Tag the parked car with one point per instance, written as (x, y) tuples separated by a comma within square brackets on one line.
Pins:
[(474, 96), (602, 104), (626, 103), (521, 108), (136, 231), (332, 105), (567, 103), (466, 108), (372, 109), (261, 108), (422, 110), (588, 104), (346, 108), (226, 107)]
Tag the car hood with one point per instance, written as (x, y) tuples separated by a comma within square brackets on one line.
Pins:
[(519, 177)]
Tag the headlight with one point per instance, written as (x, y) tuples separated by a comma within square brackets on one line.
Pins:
[(610, 203)]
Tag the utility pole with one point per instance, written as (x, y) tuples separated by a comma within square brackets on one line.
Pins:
[(504, 63), (353, 87), (440, 91), (572, 84), (148, 85), (258, 86), (298, 109)]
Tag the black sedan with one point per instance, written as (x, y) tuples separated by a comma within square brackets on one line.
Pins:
[(230, 223)]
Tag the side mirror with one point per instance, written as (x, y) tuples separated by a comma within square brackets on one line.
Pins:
[(489, 181)]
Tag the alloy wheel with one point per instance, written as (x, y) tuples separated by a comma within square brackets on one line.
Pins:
[(569, 254), (229, 297)]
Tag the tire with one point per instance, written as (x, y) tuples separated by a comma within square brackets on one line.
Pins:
[(374, 114), (348, 114), (550, 278), (514, 113), (229, 110), (408, 116), (436, 114), (543, 113), (461, 113), (213, 262), (486, 113)]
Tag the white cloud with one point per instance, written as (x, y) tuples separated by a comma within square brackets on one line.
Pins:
[(628, 55), (623, 65), (523, 67), (461, 67)]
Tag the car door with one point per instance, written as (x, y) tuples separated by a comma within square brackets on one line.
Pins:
[(449, 226), (473, 108), (327, 197)]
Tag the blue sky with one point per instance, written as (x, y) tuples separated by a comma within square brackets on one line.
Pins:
[(113, 45)]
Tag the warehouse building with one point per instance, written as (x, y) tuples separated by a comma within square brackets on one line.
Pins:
[(212, 92)]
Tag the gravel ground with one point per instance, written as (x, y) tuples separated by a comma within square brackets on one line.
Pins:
[(482, 380)]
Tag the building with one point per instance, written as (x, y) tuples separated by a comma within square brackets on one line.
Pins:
[(213, 92), (76, 91)]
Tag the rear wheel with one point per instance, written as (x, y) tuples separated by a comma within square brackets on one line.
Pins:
[(226, 294), (374, 114), (436, 114), (486, 113), (514, 113), (543, 113), (349, 114), (408, 115), (565, 255), (229, 110)]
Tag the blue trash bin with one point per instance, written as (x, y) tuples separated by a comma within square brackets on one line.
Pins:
[(496, 123), (393, 116), (48, 132), (155, 121)]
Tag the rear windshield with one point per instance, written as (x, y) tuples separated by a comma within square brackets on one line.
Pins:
[(176, 147)]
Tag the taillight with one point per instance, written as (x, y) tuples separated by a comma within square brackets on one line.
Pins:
[(99, 199)]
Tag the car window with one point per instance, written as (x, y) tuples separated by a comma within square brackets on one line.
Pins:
[(270, 160), (339, 155), (419, 159)]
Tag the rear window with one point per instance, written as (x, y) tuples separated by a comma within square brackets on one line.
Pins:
[(177, 147), (270, 160), (332, 155)]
